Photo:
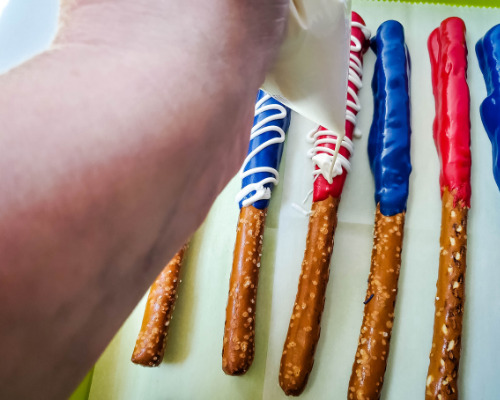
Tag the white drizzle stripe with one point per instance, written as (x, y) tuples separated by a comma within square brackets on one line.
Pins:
[(355, 75), (331, 163), (301, 210), (322, 156), (262, 192)]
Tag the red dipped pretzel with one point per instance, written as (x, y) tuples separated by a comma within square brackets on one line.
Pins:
[(304, 328), (448, 54)]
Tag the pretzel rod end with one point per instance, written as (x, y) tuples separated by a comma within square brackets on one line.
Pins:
[(444, 358), (304, 328), (151, 341), (239, 331), (372, 353)]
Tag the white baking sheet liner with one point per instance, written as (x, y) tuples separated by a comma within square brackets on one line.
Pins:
[(192, 365)]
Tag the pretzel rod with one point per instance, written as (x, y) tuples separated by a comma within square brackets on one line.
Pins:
[(259, 174), (239, 331), (389, 153), (373, 346), (442, 376), (304, 329), (487, 50), (150, 345), (448, 55)]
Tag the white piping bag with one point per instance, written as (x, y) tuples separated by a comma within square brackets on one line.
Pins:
[(310, 73)]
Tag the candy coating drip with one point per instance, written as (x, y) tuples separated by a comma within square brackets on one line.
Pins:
[(328, 184), (259, 172), (448, 55), (389, 140), (488, 54)]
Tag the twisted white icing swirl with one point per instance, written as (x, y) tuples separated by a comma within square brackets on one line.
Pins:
[(262, 192), (330, 162)]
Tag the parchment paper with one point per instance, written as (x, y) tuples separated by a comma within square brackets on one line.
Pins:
[(310, 72), (192, 366)]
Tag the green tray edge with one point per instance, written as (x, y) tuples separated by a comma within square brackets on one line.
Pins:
[(458, 3), (83, 390)]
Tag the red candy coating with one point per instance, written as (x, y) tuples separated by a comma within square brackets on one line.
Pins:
[(322, 189), (448, 54)]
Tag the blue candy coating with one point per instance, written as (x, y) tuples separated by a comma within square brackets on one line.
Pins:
[(488, 55), (271, 155), (389, 140)]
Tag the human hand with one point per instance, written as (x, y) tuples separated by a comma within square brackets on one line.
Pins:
[(141, 115), (232, 42)]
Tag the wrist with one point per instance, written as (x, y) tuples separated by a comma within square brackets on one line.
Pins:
[(137, 93), (214, 36), (185, 71)]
